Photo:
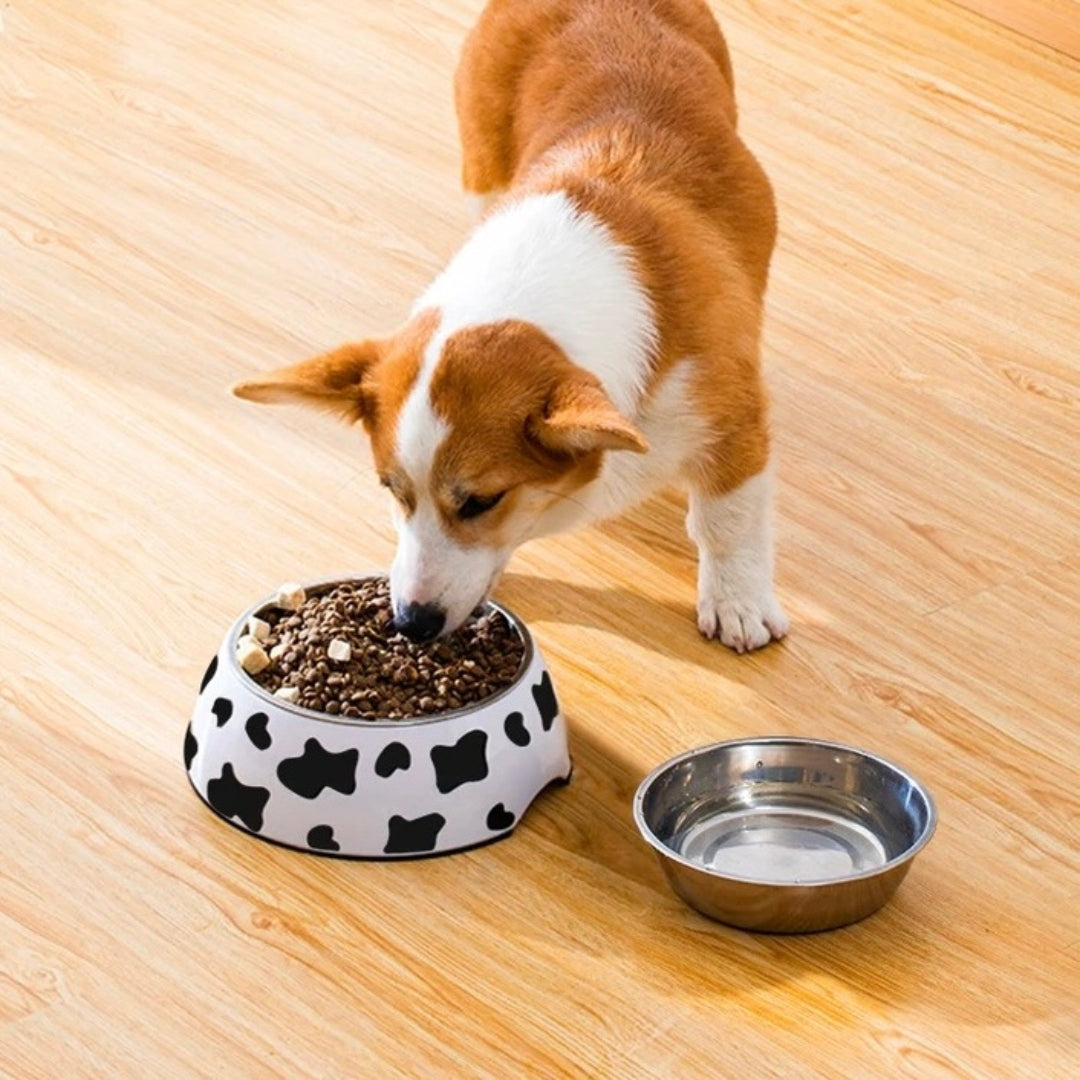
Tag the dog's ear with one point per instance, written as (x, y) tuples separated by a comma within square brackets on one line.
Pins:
[(338, 381), (579, 418)]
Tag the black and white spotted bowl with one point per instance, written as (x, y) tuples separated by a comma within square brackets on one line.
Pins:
[(366, 789)]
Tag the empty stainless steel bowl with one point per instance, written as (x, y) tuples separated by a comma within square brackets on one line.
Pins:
[(782, 834)]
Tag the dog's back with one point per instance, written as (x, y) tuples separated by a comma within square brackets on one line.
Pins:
[(639, 93)]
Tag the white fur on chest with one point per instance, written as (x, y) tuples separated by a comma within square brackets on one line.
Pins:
[(542, 261), (676, 433)]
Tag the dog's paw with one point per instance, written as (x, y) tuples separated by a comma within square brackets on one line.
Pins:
[(742, 623)]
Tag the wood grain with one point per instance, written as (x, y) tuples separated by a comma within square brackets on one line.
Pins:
[(195, 191), (1054, 23)]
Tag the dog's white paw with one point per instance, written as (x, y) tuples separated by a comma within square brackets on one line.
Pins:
[(733, 532), (742, 623)]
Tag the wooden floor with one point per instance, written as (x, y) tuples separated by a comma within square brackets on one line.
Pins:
[(1055, 23), (191, 191)]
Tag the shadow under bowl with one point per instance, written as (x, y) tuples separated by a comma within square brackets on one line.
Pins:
[(784, 835)]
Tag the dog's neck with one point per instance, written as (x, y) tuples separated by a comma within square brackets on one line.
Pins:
[(540, 260)]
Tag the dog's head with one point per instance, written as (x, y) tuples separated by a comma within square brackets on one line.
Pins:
[(478, 435)]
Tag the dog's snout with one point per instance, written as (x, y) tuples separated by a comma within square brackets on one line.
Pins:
[(420, 622)]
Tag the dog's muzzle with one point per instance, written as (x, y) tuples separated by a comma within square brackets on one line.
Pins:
[(420, 622)]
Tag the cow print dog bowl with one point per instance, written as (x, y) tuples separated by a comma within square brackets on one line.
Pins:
[(373, 789)]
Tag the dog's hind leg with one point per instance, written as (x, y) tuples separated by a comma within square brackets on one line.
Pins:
[(485, 85)]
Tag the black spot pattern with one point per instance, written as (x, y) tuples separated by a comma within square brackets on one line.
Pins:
[(191, 747), (211, 671), (232, 799), (463, 763), (222, 710), (394, 756), (544, 695), (318, 768), (500, 818), (516, 731), (257, 732), (321, 838), (411, 837)]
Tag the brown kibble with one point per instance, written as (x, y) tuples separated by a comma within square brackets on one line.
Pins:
[(386, 677)]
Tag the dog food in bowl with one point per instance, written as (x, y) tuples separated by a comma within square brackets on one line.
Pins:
[(337, 652), (363, 786)]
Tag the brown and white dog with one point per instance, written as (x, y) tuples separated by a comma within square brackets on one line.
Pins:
[(597, 336)]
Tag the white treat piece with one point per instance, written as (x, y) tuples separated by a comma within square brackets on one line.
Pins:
[(290, 694), (250, 655), (258, 628), (290, 596), (339, 649), (279, 650)]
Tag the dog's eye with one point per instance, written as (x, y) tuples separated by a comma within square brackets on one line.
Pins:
[(475, 505)]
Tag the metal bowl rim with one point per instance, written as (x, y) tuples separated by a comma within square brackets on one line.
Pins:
[(410, 721), (790, 740)]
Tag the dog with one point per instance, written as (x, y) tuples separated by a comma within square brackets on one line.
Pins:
[(596, 338)]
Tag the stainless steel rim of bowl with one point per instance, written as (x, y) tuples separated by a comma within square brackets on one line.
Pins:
[(787, 740), (323, 585)]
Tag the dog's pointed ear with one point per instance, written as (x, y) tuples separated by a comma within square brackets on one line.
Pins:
[(338, 381), (579, 418)]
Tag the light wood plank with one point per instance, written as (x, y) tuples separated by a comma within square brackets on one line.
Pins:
[(1054, 23)]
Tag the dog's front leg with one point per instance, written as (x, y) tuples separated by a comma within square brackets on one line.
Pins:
[(733, 533)]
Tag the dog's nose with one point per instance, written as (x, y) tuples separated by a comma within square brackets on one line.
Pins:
[(420, 622)]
